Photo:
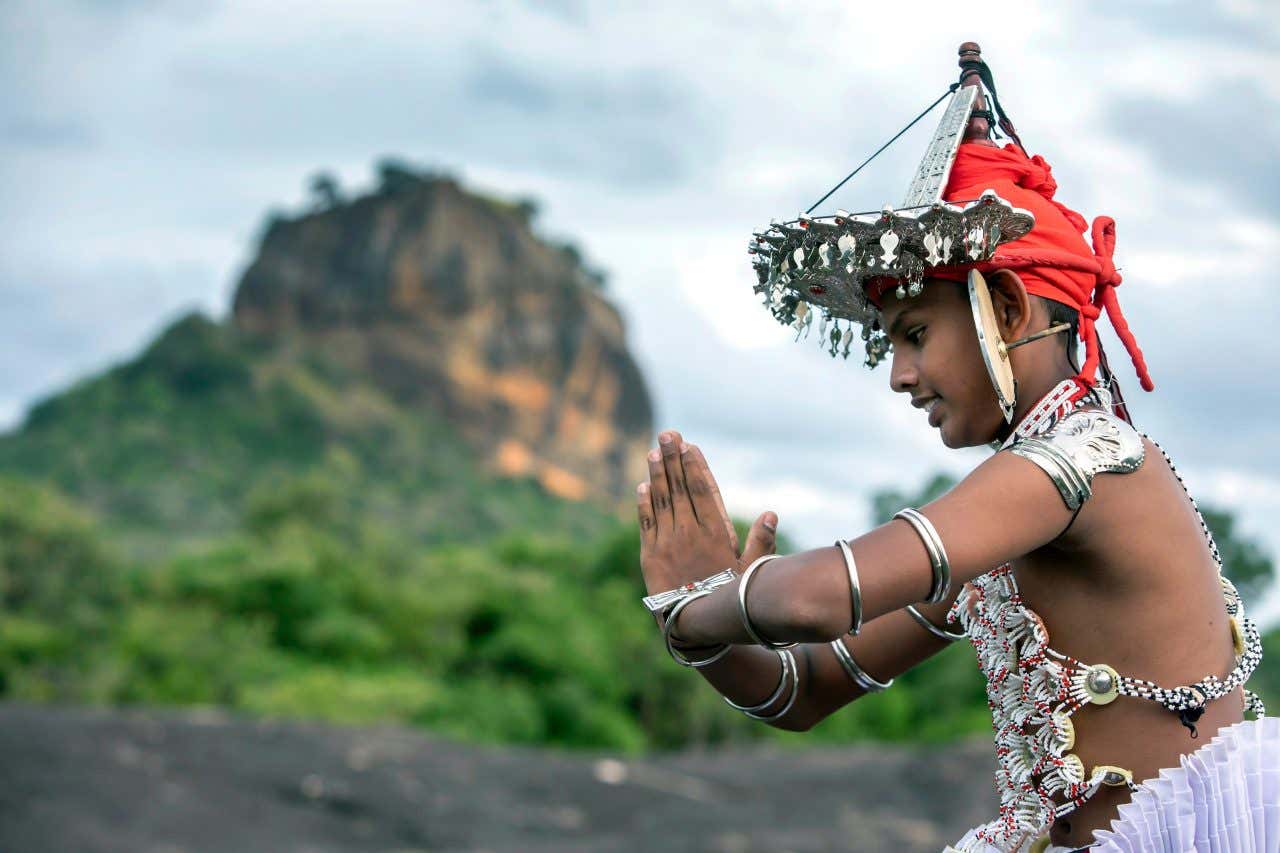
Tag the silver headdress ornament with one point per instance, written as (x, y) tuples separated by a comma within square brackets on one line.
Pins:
[(820, 264)]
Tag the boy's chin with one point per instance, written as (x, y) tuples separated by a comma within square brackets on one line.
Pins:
[(954, 437), (950, 441)]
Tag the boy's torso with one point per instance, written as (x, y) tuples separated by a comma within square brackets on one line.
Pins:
[(1132, 584)]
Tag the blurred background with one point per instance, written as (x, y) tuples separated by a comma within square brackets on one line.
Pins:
[(332, 338)]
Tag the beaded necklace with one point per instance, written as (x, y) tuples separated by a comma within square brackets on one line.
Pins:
[(1064, 398)]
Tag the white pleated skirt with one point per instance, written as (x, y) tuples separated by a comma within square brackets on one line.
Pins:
[(1222, 798)]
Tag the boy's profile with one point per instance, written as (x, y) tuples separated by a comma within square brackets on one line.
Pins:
[(1072, 559)]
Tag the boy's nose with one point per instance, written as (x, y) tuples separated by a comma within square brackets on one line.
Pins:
[(902, 374)]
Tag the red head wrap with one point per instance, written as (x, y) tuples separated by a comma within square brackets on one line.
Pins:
[(1052, 259)]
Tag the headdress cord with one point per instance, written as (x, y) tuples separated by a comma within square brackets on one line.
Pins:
[(927, 110), (979, 67)]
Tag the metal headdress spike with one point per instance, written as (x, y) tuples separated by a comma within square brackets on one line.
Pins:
[(820, 264)]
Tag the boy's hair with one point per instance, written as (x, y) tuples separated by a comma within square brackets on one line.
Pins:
[(1062, 313)]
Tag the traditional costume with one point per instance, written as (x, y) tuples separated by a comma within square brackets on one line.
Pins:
[(972, 208)]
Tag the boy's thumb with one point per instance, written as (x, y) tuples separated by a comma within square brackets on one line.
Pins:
[(761, 539)]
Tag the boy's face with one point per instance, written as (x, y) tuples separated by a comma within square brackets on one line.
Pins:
[(936, 360)]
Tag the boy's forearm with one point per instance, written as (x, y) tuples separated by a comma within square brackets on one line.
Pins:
[(1004, 509), (886, 648), (747, 675), (805, 597)]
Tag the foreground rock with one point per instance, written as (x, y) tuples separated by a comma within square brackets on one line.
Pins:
[(94, 781)]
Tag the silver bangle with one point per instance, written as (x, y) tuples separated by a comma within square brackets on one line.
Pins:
[(856, 673), (941, 633), (742, 605), (937, 554), (855, 589), (670, 623), (753, 711), (791, 700)]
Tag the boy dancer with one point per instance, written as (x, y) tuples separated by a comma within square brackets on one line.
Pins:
[(1073, 559)]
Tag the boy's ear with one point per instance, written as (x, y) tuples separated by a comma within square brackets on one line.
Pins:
[(1011, 302)]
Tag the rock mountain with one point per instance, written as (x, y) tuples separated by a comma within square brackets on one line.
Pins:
[(418, 355), (448, 300)]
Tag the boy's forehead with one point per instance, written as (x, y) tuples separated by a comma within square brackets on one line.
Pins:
[(891, 307), (936, 292)]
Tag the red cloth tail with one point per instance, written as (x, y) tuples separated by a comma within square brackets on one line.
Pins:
[(1104, 297)]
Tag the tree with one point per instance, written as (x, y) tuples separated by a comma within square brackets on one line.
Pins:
[(886, 502), (528, 208), (397, 176), (1244, 561), (325, 192)]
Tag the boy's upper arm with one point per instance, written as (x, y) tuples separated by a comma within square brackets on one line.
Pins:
[(1007, 507), (1022, 499)]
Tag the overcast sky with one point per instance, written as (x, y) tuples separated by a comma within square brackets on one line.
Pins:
[(142, 144)]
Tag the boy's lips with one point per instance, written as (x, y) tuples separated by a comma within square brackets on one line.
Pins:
[(935, 416), (930, 405)]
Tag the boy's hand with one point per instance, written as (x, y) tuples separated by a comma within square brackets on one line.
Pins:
[(685, 533)]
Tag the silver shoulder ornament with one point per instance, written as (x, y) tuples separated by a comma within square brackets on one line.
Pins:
[(1081, 445)]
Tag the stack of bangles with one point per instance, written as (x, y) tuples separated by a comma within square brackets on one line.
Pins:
[(672, 602)]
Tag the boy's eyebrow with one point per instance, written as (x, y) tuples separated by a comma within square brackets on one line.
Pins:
[(897, 321)]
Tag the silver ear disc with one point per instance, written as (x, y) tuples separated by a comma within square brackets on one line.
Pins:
[(992, 346)]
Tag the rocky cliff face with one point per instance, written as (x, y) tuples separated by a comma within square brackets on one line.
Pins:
[(447, 299)]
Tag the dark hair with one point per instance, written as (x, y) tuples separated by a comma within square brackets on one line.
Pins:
[(1061, 313)]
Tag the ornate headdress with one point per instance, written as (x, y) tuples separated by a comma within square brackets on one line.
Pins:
[(972, 207)]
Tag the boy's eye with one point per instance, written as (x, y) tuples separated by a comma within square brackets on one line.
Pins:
[(915, 334)]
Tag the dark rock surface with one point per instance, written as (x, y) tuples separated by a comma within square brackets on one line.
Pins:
[(167, 782)]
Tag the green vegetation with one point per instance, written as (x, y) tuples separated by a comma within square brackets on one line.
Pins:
[(306, 611), (170, 449), (527, 638), (217, 523)]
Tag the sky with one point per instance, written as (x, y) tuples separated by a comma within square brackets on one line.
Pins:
[(144, 142)]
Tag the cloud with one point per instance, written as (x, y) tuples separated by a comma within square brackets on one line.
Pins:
[(145, 142), (568, 11), (60, 325), (499, 83), (1247, 24), (1225, 137), (561, 128), (37, 132)]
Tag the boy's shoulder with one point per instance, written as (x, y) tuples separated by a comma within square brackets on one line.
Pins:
[(1081, 445)]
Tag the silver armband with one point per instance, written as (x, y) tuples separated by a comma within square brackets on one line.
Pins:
[(1081, 445), (937, 553)]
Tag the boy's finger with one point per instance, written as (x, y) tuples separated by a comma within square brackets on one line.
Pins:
[(761, 539), (659, 494), (713, 501), (644, 509), (701, 485), (681, 508)]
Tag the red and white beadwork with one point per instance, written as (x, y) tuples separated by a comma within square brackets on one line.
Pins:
[(1033, 690), (1065, 397)]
